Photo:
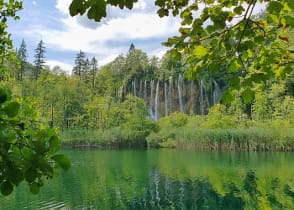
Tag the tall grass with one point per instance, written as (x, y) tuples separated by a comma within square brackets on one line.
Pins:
[(253, 138), (109, 138), (92, 138)]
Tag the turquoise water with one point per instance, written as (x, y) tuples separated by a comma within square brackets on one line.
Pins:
[(165, 179)]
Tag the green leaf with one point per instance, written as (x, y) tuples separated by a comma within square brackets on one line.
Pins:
[(291, 4), (200, 51), (6, 188), (258, 77), (76, 7), (34, 188), (46, 168), (28, 154), (62, 161), (16, 176), (162, 12), (12, 109), (234, 82), (248, 96), (40, 147), (289, 20), (31, 174), (271, 18), (97, 11), (54, 143), (259, 39), (238, 10), (227, 97), (234, 66), (274, 7), (3, 96)]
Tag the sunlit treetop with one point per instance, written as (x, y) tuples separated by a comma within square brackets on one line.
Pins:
[(223, 38)]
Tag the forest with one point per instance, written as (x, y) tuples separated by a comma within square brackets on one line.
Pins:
[(227, 83), (137, 101)]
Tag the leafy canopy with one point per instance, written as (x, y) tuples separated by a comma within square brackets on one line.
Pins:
[(222, 37), (27, 148)]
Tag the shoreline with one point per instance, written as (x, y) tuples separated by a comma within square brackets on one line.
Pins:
[(182, 146)]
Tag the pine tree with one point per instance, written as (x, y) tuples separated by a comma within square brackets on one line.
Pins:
[(86, 72), (94, 65), (39, 59), (22, 55), (131, 49), (79, 64)]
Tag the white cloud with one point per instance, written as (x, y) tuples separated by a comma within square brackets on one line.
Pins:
[(63, 5), (64, 66), (64, 35), (34, 2), (110, 37), (136, 26)]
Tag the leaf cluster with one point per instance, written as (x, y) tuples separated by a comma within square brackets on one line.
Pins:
[(27, 149), (97, 9), (224, 38)]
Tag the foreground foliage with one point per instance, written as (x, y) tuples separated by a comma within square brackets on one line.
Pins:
[(28, 149), (222, 38)]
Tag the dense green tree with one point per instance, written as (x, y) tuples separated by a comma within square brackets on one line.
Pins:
[(80, 63), (223, 33), (136, 126), (39, 59), (136, 63), (22, 55), (93, 71)]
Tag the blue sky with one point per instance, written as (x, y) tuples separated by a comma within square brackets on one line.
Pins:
[(64, 36)]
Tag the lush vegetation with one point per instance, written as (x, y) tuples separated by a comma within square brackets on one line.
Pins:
[(112, 106), (222, 37), (249, 61), (27, 147)]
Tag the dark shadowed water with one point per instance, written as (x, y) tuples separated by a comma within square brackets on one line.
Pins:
[(165, 179)]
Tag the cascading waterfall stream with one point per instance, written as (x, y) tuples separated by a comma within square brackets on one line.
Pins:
[(141, 89), (173, 94), (201, 98), (165, 99), (192, 97), (206, 98), (180, 94), (170, 93), (151, 108), (145, 90), (216, 92), (156, 101), (134, 87), (120, 92)]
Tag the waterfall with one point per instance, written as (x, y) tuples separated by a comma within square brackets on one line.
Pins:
[(165, 99), (145, 91), (206, 97), (216, 92), (170, 94), (141, 89), (120, 93), (134, 87), (191, 97), (201, 98), (180, 94), (151, 108), (156, 101)]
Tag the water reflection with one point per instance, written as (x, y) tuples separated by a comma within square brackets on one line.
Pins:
[(165, 193), (165, 179)]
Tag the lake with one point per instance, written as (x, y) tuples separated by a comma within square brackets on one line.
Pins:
[(165, 179)]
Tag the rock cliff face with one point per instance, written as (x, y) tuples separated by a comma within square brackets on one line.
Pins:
[(163, 97)]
